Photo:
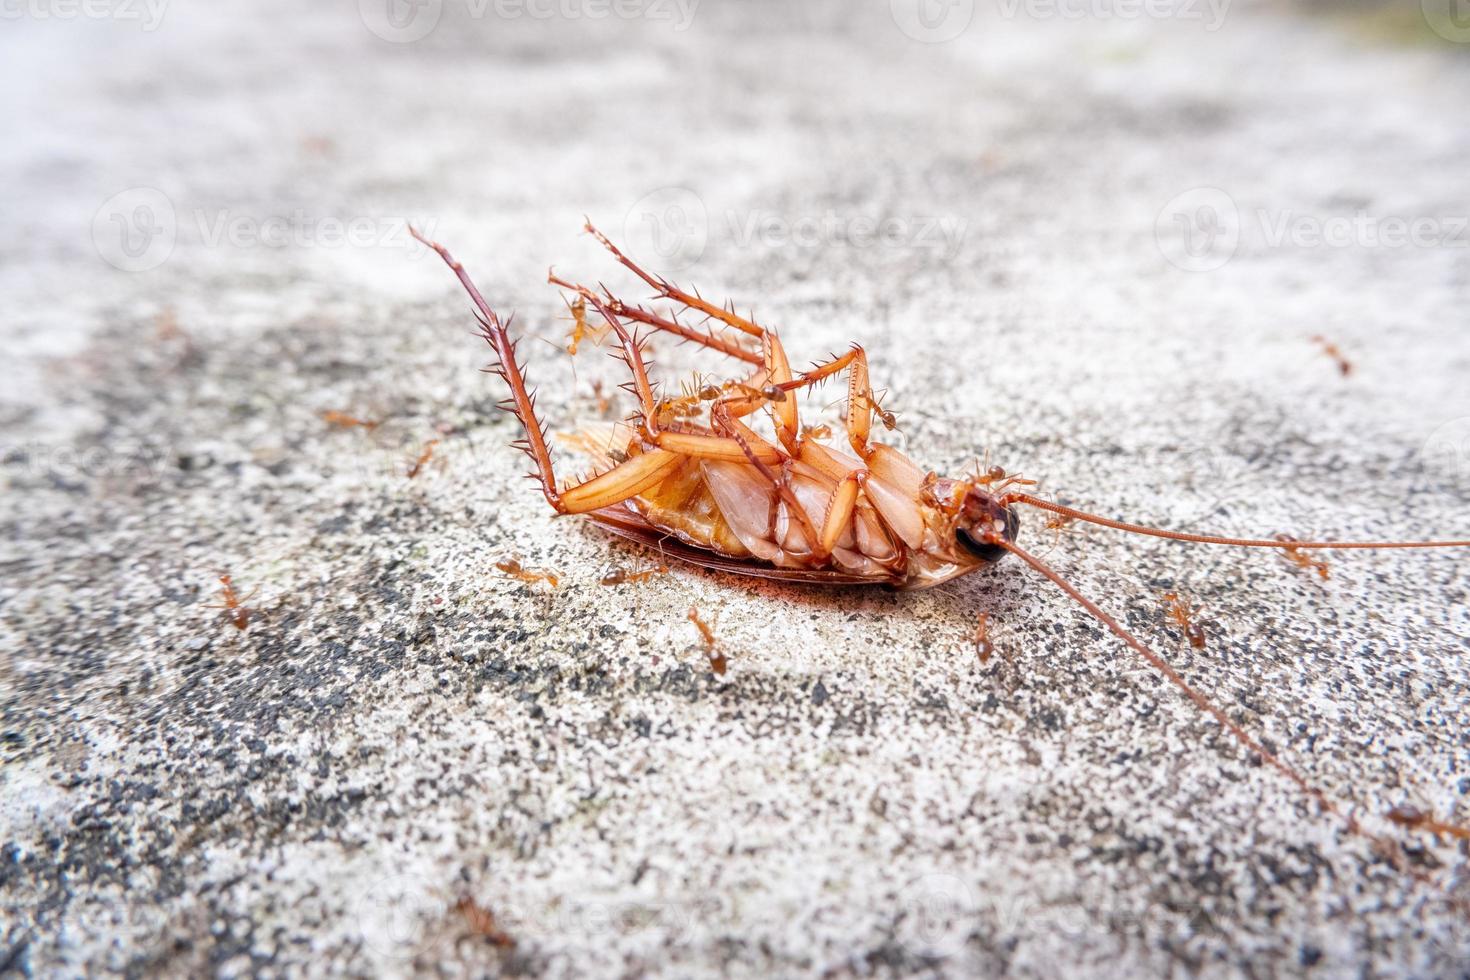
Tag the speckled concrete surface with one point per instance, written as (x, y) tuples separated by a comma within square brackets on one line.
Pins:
[(997, 217)]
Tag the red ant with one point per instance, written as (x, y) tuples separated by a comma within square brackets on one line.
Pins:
[(426, 454), (983, 646), (1302, 560), (624, 577), (1182, 617), (342, 420), (1331, 350), (717, 660), (513, 568), (233, 606), (482, 923)]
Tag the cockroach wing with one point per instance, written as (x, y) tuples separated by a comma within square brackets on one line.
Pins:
[(627, 524), (745, 499)]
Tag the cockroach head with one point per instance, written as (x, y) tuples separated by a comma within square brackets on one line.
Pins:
[(983, 522)]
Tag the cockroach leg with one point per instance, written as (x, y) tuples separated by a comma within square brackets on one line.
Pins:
[(614, 486), (717, 661), (233, 604), (513, 568), (482, 922), (1344, 366)]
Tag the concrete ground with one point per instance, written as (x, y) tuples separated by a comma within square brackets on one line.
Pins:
[(1096, 247)]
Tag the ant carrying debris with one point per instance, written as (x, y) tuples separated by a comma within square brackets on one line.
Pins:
[(717, 660), (983, 646)]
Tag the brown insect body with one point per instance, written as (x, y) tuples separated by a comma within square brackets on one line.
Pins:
[(709, 490)]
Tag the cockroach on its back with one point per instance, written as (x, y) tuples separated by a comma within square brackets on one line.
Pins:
[(707, 488)]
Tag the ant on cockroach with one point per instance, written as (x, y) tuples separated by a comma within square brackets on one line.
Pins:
[(1292, 552), (233, 606)]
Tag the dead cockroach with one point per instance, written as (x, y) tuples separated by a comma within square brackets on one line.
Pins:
[(983, 646), (1344, 366), (481, 922), (623, 577), (1292, 551), (1183, 617), (232, 604), (513, 568), (716, 493), (342, 420), (717, 660), (417, 464)]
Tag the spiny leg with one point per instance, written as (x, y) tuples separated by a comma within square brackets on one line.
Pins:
[(626, 480), (669, 291), (861, 403)]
